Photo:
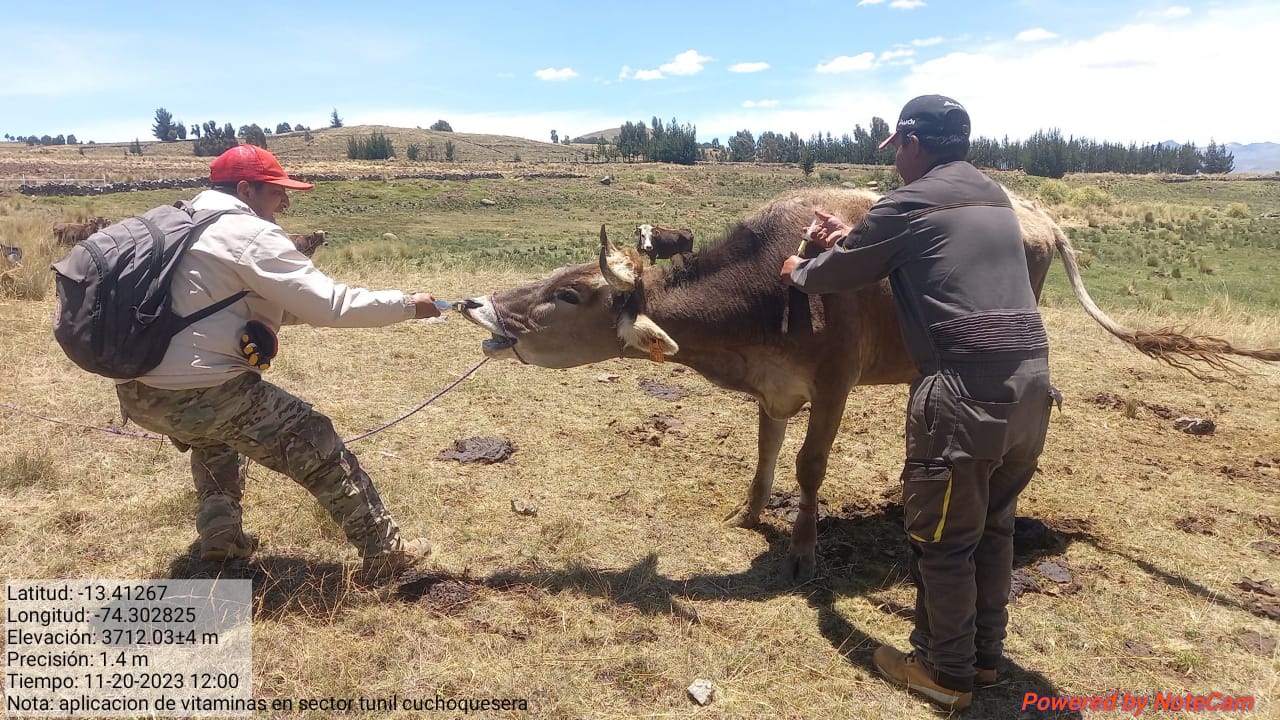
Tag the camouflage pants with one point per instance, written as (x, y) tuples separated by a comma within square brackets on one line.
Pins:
[(249, 417)]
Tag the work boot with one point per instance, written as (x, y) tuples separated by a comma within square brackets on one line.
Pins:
[(985, 676), (905, 671), (385, 565), (221, 536), (227, 544)]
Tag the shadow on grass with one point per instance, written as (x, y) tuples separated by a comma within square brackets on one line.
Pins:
[(859, 554), (281, 585)]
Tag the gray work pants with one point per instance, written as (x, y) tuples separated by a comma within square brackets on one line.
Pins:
[(973, 439)]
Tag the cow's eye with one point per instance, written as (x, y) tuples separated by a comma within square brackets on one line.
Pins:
[(569, 296)]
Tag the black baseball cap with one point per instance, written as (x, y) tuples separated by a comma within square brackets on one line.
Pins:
[(931, 116)]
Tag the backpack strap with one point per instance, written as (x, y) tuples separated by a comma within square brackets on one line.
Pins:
[(207, 219)]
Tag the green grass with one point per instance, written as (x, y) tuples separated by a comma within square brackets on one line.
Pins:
[(1161, 247)]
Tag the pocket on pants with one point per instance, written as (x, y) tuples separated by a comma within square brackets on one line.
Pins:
[(983, 428), (926, 498), (930, 419)]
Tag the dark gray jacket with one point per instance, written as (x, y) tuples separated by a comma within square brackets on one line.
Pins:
[(952, 249)]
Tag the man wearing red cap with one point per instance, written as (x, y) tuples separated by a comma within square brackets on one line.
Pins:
[(207, 394), (951, 246)]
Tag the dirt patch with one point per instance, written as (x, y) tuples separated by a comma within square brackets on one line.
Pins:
[(1268, 523), (1116, 402), (662, 391), (1138, 649), (481, 449), (1256, 642), (1266, 546), (785, 506), (1022, 582), (1195, 525), (654, 427), (443, 593)]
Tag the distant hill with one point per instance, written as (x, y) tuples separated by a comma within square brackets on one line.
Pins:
[(1261, 157), (610, 135)]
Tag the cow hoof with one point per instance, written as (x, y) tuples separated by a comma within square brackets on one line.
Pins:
[(797, 570), (742, 517)]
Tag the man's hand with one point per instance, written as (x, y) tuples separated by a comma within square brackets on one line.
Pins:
[(259, 345), (424, 306), (788, 266), (830, 230)]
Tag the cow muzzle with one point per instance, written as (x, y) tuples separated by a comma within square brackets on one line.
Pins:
[(483, 312)]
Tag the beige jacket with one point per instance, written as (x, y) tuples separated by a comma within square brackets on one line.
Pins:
[(244, 252)]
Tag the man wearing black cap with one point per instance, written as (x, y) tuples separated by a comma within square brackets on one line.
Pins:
[(950, 244)]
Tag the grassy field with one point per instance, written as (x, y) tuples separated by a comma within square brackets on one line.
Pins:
[(624, 587)]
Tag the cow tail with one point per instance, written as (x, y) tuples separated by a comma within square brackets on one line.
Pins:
[(1166, 344)]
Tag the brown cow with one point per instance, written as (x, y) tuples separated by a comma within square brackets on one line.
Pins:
[(307, 244), (722, 315), (69, 233), (661, 242)]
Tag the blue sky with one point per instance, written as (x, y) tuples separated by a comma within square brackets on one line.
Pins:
[(1122, 71)]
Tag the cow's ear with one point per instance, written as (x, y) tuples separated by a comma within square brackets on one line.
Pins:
[(642, 332)]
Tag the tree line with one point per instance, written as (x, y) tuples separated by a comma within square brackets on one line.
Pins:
[(1046, 153)]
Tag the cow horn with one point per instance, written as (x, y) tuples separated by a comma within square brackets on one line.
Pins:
[(615, 266)]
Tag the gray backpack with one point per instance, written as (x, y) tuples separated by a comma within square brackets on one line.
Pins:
[(114, 316)]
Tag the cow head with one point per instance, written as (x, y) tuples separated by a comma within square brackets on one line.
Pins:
[(307, 244), (580, 314), (644, 238)]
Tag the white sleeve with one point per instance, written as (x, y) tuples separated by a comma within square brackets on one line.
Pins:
[(272, 267)]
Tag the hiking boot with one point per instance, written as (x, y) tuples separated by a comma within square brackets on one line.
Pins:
[(221, 536), (227, 543), (391, 563), (985, 676), (905, 671)]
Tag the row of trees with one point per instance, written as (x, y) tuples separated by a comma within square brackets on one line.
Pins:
[(44, 139), (1048, 154), (166, 129), (670, 143)]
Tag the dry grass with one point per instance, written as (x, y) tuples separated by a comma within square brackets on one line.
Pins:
[(625, 587)]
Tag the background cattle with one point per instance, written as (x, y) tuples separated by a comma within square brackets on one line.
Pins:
[(70, 233), (307, 244), (660, 242)]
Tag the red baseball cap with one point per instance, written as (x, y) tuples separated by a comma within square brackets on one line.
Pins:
[(252, 163)]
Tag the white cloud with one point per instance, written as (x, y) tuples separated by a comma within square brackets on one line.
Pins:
[(554, 74), (895, 54), (906, 4), (625, 73), (1177, 12), (870, 2), (1138, 74), (849, 63), (749, 67), (760, 103), (926, 42), (1035, 34), (688, 62)]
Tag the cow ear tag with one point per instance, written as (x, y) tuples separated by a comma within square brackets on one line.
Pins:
[(655, 352)]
